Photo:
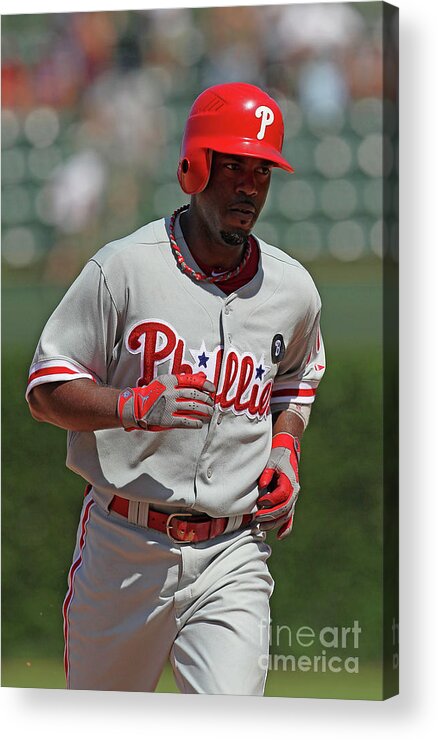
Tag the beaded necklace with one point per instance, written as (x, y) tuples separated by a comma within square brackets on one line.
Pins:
[(199, 276)]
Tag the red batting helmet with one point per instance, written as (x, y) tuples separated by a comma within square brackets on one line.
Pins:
[(234, 118)]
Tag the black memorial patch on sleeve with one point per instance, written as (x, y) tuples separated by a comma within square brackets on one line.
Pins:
[(277, 349)]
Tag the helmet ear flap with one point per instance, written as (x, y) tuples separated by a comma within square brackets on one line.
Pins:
[(194, 170)]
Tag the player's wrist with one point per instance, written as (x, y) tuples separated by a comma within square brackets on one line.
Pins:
[(125, 409)]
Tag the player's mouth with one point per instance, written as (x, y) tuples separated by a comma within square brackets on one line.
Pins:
[(245, 213)]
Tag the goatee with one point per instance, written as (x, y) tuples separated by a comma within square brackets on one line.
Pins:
[(233, 238)]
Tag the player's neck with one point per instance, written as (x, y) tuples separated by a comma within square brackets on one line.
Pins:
[(204, 248)]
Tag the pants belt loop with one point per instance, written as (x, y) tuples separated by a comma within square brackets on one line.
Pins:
[(234, 522), (133, 512), (143, 513)]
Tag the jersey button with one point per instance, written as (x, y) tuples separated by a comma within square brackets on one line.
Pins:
[(227, 310), (219, 418), (209, 473)]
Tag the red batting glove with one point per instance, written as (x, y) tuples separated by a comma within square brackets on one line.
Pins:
[(276, 507), (169, 402)]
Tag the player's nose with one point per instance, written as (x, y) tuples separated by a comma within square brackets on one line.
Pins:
[(247, 183)]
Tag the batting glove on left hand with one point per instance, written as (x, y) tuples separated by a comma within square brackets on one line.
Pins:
[(276, 507)]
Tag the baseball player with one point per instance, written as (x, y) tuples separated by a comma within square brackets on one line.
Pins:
[(183, 361)]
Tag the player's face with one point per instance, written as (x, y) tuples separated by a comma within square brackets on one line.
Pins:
[(234, 196)]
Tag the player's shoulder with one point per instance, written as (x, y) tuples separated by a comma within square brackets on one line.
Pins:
[(151, 236), (293, 272), (275, 254)]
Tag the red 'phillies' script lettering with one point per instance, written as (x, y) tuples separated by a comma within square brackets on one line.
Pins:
[(246, 375), (143, 338), (230, 375), (178, 365), (157, 342), (265, 399)]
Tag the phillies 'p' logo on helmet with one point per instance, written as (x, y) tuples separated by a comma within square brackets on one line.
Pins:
[(233, 118)]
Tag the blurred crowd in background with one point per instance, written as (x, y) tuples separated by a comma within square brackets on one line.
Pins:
[(94, 105)]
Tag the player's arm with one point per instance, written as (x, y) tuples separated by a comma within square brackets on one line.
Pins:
[(170, 401), (292, 421), (279, 482), (77, 405), (294, 391)]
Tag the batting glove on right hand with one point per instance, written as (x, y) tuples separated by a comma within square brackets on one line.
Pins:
[(280, 477), (169, 402)]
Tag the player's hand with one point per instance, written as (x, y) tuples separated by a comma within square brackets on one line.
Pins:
[(181, 401), (280, 477)]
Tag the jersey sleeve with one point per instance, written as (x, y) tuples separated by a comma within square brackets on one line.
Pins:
[(301, 370), (79, 338)]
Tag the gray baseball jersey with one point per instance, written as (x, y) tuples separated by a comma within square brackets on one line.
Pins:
[(132, 315), (136, 597)]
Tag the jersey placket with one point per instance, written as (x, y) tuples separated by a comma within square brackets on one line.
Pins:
[(205, 469)]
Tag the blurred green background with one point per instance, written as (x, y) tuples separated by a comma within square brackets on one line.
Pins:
[(93, 106)]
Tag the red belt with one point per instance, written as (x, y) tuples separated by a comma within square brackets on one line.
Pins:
[(181, 526)]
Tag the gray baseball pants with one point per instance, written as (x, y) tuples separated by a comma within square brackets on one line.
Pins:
[(137, 599)]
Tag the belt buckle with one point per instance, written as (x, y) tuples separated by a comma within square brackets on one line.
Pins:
[(186, 538)]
